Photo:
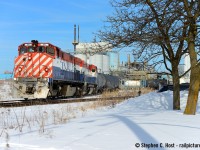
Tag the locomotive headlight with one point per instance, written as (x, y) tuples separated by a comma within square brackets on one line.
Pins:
[(19, 69), (46, 69), (29, 56)]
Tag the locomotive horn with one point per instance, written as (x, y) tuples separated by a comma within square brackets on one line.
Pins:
[(35, 43)]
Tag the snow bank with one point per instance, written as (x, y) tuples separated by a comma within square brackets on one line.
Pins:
[(154, 101)]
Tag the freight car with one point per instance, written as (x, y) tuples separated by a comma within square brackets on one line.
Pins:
[(107, 82), (43, 70)]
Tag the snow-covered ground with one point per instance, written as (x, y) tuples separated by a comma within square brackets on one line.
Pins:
[(5, 90), (145, 122)]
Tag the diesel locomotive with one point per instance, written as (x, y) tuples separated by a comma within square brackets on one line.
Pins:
[(43, 70)]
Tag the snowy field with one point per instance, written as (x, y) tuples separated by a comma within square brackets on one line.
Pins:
[(145, 122)]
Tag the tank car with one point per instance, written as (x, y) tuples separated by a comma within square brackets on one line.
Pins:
[(107, 82), (42, 70)]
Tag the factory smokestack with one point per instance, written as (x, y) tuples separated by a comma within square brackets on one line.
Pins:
[(74, 33), (129, 60), (75, 42), (78, 33)]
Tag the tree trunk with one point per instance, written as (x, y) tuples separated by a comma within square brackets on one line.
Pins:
[(195, 73), (176, 89), (193, 92), (194, 87)]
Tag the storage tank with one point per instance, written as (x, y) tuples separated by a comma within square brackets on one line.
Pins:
[(97, 60), (132, 83), (114, 56), (187, 65), (106, 64), (81, 56)]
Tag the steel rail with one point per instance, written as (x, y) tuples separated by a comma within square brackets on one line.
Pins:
[(32, 102)]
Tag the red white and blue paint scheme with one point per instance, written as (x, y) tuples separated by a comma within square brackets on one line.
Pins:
[(42, 70)]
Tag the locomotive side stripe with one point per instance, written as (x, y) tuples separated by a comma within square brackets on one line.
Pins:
[(32, 63), (49, 65), (37, 65), (34, 67), (26, 69), (27, 63), (18, 60), (44, 73), (21, 62), (41, 64), (43, 69), (49, 74)]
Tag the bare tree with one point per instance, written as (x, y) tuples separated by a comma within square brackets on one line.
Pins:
[(156, 27)]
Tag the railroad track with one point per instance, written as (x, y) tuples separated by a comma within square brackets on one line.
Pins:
[(32, 102)]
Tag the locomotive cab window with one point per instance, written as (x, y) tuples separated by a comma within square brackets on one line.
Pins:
[(57, 50), (62, 55), (22, 50), (30, 49), (50, 51), (41, 49)]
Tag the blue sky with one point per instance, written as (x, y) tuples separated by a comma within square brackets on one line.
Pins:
[(47, 21)]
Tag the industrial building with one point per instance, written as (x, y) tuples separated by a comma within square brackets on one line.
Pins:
[(185, 67), (132, 74), (100, 54)]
